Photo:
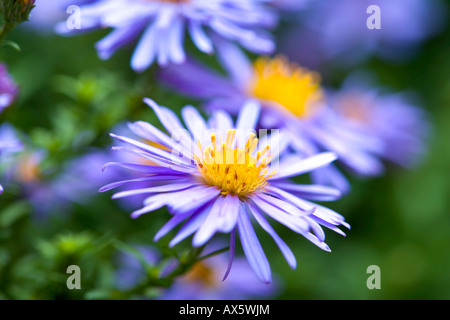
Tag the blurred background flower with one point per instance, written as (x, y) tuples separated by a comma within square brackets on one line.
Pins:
[(336, 33), (202, 282), (160, 27)]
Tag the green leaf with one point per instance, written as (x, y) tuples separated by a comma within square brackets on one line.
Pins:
[(12, 44), (13, 213)]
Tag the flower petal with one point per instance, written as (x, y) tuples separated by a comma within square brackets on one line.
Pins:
[(296, 166), (287, 253)]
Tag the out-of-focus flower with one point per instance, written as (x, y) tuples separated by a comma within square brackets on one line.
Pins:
[(336, 31), (161, 26), (8, 88), (401, 126), (202, 282), (219, 174), (10, 144)]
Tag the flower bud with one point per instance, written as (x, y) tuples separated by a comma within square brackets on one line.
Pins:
[(16, 11)]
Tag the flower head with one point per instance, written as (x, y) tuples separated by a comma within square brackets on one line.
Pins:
[(401, 127), (163, 24), (218, 175)]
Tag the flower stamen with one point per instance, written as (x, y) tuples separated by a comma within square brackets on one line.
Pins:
[(232, 169)]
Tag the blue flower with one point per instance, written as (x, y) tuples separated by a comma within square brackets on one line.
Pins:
[(218, 176), (161, 26)]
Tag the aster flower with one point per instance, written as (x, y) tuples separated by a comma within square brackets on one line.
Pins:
[(8, 88), (336, 31), (163, 23), (293, 99), (202, 282), (391, 117), (218, 180)]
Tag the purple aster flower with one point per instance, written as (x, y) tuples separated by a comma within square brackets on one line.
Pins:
[(337, 32), (8, 88), (401, 126), (202, 282), (292, 99), (217, 176), (10, 144), (161, 26)]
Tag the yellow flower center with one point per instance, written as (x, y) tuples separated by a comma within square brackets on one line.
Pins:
[(287, 84), (233, 170)]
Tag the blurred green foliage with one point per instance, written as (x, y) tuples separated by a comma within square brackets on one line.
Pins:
[(70, 100)]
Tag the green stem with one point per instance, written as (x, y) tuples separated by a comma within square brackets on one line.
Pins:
[(4, 30)]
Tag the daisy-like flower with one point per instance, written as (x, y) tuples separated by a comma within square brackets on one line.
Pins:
[(161, 26), (218, 176), (293, 99), (401, 126), (8, 88)]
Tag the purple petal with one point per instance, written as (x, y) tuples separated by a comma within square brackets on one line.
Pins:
[(192, 225), (231, 256), (164, 188), (292, 222), (252, 248), (145, 52), (199, 37), (310, 191), (287, 253), (172, 223), (296, 166), (222, 218)]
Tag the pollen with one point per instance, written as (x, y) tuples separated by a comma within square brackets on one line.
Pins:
[(288, 85), (235, 171)]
